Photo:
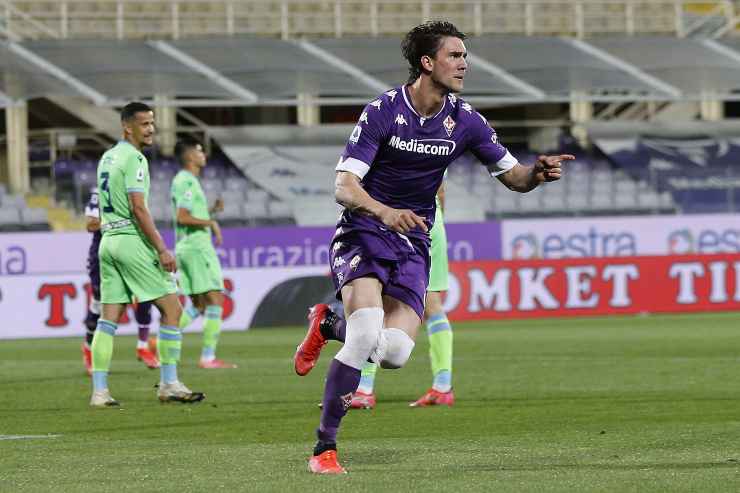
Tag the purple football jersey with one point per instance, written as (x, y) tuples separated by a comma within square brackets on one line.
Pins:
[(92, 209), (401, 157)]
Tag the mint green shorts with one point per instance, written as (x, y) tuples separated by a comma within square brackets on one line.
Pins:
[(129, 268), (438, 274), (200, 270)]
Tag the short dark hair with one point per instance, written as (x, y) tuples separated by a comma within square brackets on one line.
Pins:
[(184, 145), (424, 40), (130, 110)]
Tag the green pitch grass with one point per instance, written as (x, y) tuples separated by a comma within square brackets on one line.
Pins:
[(610, 404)]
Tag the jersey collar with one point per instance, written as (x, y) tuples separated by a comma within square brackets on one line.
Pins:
[(407, 100)]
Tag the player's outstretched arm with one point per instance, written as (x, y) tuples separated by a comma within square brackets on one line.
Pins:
[(349, 193), (523, 178), (140, 211)]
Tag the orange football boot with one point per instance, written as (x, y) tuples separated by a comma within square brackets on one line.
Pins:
[(307, 353), (325, 463)]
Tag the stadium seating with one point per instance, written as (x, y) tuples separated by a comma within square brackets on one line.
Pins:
[(142, 19), (245, 204), (15, 215)]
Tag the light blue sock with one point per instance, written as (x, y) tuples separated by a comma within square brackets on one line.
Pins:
[(168, 373), (100, 380), (443, 381), (168, 344)]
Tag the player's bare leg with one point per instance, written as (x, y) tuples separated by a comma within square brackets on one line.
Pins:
[(366, 337)]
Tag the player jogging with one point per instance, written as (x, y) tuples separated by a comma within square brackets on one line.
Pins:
[(438, 327), (143, 311), (387, 178), (134, 261), (197, 261)]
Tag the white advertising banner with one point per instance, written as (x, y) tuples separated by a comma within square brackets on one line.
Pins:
[(620, 236), (55, 305)]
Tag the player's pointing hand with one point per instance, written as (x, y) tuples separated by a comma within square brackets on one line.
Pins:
[(402, 220), (551, 166)]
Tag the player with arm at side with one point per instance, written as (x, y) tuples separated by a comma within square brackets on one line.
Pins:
[(134, 261), (387, 179), (200, 269), (143, 310)]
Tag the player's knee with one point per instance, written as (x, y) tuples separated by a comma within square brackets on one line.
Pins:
[(214, 298), (398, 349), (363, 330)]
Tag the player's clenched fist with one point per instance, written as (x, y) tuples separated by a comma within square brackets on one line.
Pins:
[(167, 261), (551, 166), (402, 220)]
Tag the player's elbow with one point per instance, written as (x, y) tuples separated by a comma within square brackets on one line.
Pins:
[(139, 211), (344, 187)]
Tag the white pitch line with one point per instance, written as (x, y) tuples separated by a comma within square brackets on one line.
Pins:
[(26, 437)]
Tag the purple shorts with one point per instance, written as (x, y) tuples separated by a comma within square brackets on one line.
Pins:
[(400, 263)]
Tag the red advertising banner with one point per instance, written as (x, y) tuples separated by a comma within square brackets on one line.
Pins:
[(593, 286)]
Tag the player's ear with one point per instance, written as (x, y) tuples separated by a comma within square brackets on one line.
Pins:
[(426, 62)]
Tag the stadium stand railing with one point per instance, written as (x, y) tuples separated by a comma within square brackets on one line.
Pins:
[(131, 19)]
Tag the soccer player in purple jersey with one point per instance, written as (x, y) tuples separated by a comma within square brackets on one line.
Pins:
[(387, 178), (143, 312)]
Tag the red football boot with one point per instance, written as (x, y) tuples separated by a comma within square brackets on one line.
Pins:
[(325, 463), (307, 353), (215, 364), (435, 398), (148, 358), (87, 358), (361, 400)]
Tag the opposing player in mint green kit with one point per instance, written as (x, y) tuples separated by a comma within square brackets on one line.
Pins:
[(200, 269), (134, 261), (439, 329)]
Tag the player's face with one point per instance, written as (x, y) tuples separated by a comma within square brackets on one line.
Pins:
[(449, 65), (141, 128), (198, 156)]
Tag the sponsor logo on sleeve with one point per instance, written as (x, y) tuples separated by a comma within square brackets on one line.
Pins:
[(355, 137)]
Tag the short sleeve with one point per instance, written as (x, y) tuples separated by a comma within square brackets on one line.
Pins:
[(366, 138), (184, 195), (485, 146), (92, 209), (135, 173)]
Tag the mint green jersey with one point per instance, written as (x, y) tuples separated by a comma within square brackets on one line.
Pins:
[(122, 169), (186, 193)]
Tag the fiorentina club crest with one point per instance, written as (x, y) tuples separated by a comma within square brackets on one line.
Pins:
[(449, 125), (346, 400)]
